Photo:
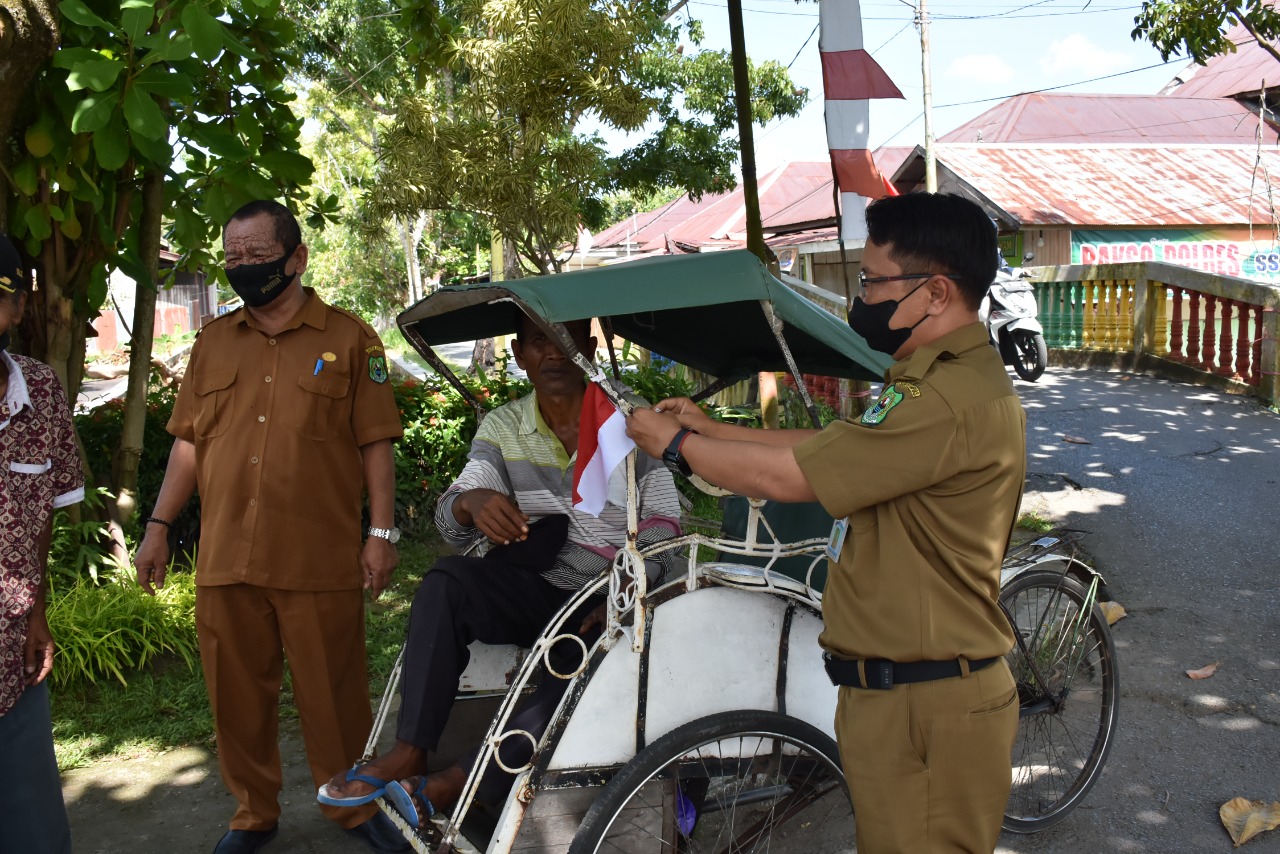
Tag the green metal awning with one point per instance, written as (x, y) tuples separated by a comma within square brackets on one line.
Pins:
[(703, 310)]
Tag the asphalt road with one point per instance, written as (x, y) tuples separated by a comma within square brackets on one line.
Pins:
[(1178, 487)]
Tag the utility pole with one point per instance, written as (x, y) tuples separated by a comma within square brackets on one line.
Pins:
[(930, 159), (742, 99)]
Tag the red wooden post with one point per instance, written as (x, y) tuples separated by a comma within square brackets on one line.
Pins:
[(1208, 356), (1224, 338), (1193, 328), (1175, 328), (1242, 341), (1255, 361)]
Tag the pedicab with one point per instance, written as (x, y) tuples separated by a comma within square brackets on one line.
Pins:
[(702, 718)]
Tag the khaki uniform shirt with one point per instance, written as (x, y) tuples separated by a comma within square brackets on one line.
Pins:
[(929, 479), (278, 423)]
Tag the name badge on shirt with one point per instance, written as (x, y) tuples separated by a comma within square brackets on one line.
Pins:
[(836, 541)]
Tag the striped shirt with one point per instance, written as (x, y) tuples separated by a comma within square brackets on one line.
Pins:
[(515, 453)]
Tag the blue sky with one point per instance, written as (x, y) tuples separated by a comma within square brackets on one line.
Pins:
[(982, 52)]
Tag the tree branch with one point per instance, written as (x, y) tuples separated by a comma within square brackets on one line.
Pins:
[(1262, 43)]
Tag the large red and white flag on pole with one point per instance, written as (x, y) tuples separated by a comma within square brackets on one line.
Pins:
[(850, 79), (603, 444)]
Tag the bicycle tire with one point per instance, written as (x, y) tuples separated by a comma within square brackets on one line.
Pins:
[(682, 785), (1064, 736)]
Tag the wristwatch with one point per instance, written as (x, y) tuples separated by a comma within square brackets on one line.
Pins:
[(672, 458), (391, 535)]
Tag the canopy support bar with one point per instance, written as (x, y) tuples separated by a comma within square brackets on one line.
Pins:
[(775, 324)]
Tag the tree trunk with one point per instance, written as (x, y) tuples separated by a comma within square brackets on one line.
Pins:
[(140, 347), (28, 37)]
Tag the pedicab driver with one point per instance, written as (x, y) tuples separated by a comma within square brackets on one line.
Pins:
[(925, 488)]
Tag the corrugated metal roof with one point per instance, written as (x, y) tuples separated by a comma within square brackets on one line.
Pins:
[(1230, 74), (1119, 185), (1070, 117)]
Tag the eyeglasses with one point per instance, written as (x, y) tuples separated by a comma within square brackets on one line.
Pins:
[(864, 279)]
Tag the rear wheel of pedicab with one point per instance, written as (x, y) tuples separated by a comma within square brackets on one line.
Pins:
[(737, 781), (1069, 710)]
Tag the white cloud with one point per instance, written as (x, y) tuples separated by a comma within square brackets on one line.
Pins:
[(1077, 56), (982, 68)]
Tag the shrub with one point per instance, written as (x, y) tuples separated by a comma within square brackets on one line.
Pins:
[(114, 628)]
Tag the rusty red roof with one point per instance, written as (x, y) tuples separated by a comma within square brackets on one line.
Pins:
[(1230, 74), (1071, 117), (1116, 185)]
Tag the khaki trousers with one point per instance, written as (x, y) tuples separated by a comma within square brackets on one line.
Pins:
[(928, 764), (245, 633)]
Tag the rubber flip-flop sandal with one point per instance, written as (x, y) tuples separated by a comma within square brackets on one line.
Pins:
[(380, 787), (403, 801)]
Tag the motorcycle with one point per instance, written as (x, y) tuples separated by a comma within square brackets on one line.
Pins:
[(1010, 313)]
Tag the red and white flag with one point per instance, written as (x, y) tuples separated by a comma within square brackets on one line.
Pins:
[(603, 444)]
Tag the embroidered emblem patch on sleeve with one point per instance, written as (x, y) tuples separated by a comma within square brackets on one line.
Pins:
[(378, 369), (889, 398)]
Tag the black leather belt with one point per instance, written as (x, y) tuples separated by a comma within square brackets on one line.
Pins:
[(882, 674)]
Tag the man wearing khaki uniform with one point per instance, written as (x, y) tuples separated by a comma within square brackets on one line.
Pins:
[(926, 487), (283, 419)]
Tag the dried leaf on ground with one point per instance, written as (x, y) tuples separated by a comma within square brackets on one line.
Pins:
[(1204, 672), (1076, 440), (1245, 819), (1113, 611)]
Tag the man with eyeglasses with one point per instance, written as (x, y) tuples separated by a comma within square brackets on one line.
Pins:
[(927, 485)]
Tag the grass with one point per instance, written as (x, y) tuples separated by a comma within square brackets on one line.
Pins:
[(166, 706), (1035, 523)]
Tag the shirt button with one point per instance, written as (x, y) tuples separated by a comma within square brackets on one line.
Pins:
[(253, 460), (268, 379), (262, 418), (271, 341), (253, 502)]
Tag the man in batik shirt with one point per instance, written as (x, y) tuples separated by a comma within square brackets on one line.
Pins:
[(39, 472)]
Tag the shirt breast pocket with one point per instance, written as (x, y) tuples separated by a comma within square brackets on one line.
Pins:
[(28, 484), (215, 393), (320, 413)]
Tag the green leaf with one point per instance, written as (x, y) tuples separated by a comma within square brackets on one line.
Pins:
[(219, 141), (111, 144), (166, 47), (137, 18), (205, 32), (78, 12), (175, 86), (92, 113), (38, 224), (68, 57), (96, 74), (144, 114), (287, 166), (26, 177), (158, 151)]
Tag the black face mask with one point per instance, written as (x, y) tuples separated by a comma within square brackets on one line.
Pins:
[(260, 284), (871, 321)]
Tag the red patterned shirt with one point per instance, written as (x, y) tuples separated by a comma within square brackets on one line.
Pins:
[(39, 471)]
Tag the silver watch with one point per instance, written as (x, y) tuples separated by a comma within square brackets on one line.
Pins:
[(391, 535)]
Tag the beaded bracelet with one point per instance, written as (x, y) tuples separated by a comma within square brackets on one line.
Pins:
[(159, 521)]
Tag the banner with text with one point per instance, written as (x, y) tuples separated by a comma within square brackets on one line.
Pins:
[(1198, 249)]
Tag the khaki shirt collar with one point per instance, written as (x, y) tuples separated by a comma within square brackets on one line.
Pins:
[(312, 313), (949, 346)]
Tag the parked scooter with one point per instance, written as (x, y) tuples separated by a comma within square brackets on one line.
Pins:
[(1010, 313)]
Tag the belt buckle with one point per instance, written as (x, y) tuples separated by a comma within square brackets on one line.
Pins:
[(879, 673)]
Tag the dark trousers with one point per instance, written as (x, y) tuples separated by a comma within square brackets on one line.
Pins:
[(465, 599), (32, 811)]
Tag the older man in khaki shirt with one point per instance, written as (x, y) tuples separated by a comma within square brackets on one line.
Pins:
[(927, 486), (283, 419)]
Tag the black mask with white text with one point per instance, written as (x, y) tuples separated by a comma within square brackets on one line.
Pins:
[(871, 321), (260, 284)]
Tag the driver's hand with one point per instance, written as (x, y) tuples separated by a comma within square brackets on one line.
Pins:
[(494, 514), (652, 430), (688, 413)]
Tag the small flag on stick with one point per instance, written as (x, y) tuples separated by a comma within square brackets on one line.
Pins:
[(603, 444)]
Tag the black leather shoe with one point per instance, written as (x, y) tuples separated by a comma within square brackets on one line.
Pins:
[(245, 841), (381, 835)]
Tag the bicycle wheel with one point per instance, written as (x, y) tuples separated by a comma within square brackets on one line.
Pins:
[(737, 781), (1068, 720)]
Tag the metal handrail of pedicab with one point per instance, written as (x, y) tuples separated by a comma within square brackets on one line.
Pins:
[(830, 347)]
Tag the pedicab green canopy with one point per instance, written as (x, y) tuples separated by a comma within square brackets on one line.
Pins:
[(703, 310)]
